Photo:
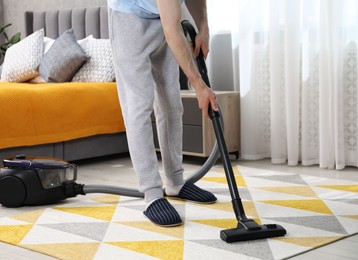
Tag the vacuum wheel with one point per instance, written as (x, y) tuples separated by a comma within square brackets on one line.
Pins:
[(12, 192)]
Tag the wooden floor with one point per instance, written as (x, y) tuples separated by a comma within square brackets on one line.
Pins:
[(106, 171)]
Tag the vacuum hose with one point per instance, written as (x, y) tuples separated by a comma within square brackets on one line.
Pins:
[(188, 29)]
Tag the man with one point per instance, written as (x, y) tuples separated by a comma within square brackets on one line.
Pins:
[(148, 44)]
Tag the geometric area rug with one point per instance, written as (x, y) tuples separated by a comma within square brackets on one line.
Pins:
[(314, 210)]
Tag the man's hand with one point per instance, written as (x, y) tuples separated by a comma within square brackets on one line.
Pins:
[(206, 96), (197, 9), (202, 42)]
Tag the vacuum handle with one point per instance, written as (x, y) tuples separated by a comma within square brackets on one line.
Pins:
[(188, 28)]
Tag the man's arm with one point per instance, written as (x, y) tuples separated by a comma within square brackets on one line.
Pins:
[(197, 9), (170, 14)]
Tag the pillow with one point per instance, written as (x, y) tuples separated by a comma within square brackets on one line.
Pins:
[(23, 58), (100, 67), (48, 43), (36, 80), (84, 41), (63, 59)]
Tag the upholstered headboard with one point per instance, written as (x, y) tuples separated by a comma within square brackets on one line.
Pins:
[(84, 21)]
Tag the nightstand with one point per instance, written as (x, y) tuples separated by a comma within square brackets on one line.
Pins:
[(198, 133)]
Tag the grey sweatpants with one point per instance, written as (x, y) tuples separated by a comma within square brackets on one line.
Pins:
[(147, 77)]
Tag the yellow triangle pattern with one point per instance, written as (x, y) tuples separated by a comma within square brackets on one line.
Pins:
[(30, 217), (309, 241), (222, 223), (249, 207), (102, 213), (163, 249), (303, 191), (14, 234), (310, 205), (66, 251), (349, 188), (175, 200), (239, 180), (177, 232), (234, 169), (350, 216), (108, 199)]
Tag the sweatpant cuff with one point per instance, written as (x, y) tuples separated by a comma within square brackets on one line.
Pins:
[(175, 180), (152, 194)]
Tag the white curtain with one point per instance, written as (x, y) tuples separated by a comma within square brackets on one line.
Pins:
[(295, 64)]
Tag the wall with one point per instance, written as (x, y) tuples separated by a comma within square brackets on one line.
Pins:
[(220, 62), (13, 10)]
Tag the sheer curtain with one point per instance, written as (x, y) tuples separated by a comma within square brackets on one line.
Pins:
[(295, 64)]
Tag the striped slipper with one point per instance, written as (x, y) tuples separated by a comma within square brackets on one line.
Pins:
[(162, 213), (191, 192)]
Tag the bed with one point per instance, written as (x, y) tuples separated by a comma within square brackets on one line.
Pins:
[(25, 131)]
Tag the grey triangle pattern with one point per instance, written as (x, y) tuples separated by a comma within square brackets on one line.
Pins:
[(244, 193), (259, 248), (95, 231), (180, 208), (349, 201), (327, 223), (135, 207), (295, 179)]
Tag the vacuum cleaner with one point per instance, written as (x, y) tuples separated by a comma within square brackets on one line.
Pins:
[(32, 181), (247, 229)]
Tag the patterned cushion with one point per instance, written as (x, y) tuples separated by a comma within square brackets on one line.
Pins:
[(84, 41), (22, 59), (99, 68), (63, 59), (48, 43)]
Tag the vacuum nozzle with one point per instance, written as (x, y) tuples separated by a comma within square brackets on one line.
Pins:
[(248, 229)]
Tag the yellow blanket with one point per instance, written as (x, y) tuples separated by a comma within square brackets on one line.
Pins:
[(33, 114)]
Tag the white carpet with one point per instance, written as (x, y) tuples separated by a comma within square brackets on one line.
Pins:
[(314, 211)]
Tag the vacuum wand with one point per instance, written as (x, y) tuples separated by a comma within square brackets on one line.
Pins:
[(247, 229)]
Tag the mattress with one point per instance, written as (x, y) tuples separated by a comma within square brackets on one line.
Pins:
[(33, 114)]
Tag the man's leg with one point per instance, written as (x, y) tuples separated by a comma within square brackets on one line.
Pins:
[(168, 112), (133, 39)]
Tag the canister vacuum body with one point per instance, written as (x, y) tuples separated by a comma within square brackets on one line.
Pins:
[(33, 181)]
